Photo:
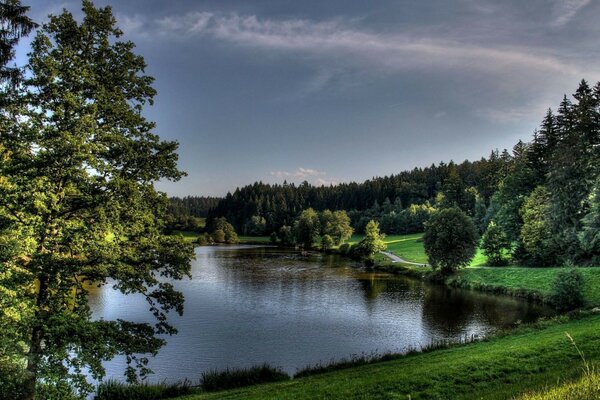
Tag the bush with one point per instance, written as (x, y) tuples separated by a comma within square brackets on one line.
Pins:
[(205, 239), (213, 381), (345, 249), (567, 290), (113, 390)]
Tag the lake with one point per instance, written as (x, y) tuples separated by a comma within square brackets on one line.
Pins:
[(247, 305)]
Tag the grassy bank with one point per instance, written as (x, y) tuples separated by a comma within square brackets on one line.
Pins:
[(499, 368), (534, 283)]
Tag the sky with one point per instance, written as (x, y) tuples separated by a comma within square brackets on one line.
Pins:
[(345, 90)]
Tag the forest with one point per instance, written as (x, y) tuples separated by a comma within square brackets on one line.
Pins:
[(541, 198)]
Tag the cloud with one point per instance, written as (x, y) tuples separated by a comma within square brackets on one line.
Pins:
[(310, 175), (338, 40), (566, 10)]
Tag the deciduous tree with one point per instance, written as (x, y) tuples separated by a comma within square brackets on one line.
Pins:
[(450, 239), (78, 206)]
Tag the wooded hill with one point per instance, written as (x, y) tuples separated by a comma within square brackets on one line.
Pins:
[(542, 194)]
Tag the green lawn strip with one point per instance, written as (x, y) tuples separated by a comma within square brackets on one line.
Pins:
[(189, 236), (499, 368), (514, 280)]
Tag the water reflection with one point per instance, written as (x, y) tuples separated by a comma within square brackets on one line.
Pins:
[(246, 305)]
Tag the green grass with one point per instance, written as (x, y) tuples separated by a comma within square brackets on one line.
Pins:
[(193, 236), (254, 239), (187, 235), (513, 280), (586, 387), (408, 247), (499, 368)]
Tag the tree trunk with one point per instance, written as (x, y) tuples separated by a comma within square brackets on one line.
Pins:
[(35, 348), (33, 357)]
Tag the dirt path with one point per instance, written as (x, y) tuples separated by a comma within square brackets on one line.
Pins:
[(397, 259)]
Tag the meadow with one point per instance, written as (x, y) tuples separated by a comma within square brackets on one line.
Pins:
[(528, 360)]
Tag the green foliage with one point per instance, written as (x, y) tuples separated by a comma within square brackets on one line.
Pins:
[(337, 225), (15, 24), (78, 204), (206, 239), (495, 244), (273, 238), (307, 228), (567, 289), (536, 232), (327, 243), (371, 244), (286, 236), (256, 226), (114, 390), (589, 237), (450, 240), (213, 381), (223, 232)]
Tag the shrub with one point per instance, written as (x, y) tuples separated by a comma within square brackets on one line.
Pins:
[(113, 390), (567, 290), (345, 249), (213, 381), (273, 238), (205, 239)]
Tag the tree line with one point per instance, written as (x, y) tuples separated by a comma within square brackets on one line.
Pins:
[(538, 205)]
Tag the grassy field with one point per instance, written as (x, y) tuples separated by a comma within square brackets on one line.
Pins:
[(499, 368)]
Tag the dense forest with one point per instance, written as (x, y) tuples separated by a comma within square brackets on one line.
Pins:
[(464, 183), (541, 196), (188, 213)]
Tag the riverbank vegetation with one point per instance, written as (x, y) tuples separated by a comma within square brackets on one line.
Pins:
[(530, 359)]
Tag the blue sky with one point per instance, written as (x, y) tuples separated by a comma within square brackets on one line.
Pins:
[(342, 90)]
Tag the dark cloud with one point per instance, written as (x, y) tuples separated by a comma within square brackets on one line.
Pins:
[(350, 89)]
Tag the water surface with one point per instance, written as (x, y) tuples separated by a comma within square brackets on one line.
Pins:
[(246, 305)]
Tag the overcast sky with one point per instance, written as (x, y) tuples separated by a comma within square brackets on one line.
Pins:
[(344, 90)]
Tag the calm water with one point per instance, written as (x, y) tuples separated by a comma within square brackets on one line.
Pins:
[(246, 305)]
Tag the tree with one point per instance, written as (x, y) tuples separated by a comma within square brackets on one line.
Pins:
[(338, 227), (256, 226), (589, 237), (536, 233), (326, 243), (14, 24), (78, 206), (450, 239), (307, 228), (494, 244), (371, 244), (286, 235), (223, 231)]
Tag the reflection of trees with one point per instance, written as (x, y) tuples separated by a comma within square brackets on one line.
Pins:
[(502, 311), (446, 311), (372, 287)]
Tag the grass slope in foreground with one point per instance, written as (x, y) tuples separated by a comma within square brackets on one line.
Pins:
[(499, 368)]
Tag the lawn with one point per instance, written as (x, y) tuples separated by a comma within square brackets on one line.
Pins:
[(515, 279), (408, 247), (499, 368)]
